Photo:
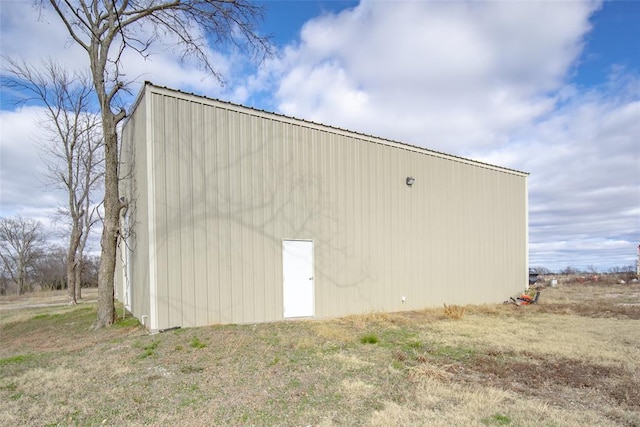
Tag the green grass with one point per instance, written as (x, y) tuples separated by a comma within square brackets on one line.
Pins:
[(497, 419), (369, 339), (455, 353), (12, 389), (148, 349), (20, 363), (196, 343), (127, 322), (16, 360), (416, 345), (47, 316), (69, 318), (393, 337)]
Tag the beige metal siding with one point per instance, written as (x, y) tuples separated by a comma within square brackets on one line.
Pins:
[(231, 183), (133, 188)]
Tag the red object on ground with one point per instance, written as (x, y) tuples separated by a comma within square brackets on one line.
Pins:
[(525, 299)]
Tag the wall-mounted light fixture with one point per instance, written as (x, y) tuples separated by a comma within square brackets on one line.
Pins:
[(410, 180)]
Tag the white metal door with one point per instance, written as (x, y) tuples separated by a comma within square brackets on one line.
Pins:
[(298, 295)]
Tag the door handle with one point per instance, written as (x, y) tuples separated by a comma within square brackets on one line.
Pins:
[(310, 278)]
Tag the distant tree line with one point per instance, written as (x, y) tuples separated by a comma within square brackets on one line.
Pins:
[(29, 262), (625, 272)]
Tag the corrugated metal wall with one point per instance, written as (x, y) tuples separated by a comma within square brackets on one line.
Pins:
[(231, 183), (134, 188)]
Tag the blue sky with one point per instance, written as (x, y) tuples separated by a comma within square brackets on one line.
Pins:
[(551, 88), (283, 19), (610, 43)]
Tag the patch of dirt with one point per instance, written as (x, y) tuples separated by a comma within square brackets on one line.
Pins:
[(550, 380)]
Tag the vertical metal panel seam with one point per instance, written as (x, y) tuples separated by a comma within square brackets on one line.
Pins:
[(194, 130), (151, 212), (526, 230)]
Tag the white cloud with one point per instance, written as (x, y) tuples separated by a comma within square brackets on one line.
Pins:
[(450, 76), (584, 162), (22, 171), (35, 33), (25, 188)]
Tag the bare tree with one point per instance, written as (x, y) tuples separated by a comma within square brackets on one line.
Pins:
[(5, 278), (625, 272), (73, 153), (50, 269), (90, 267), (568, 270), (592, 270), (21, 242), (105, 29), (540, 270)]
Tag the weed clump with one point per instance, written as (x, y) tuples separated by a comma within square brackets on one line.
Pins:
[(149, 349), (196, 343), (497, 419), (369, 339), (453, 311)]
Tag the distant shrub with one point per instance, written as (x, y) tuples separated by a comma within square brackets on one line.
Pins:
[(453, 311)]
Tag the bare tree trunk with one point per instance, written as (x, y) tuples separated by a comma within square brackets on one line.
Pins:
[(72, 263), (23, 285), (20, 281), (109, 240), (71, 282), (78, 284)]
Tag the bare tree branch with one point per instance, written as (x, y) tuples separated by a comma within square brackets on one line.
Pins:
[(21, 243)]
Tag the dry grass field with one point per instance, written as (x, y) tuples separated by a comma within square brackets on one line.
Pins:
[(571, 360)]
